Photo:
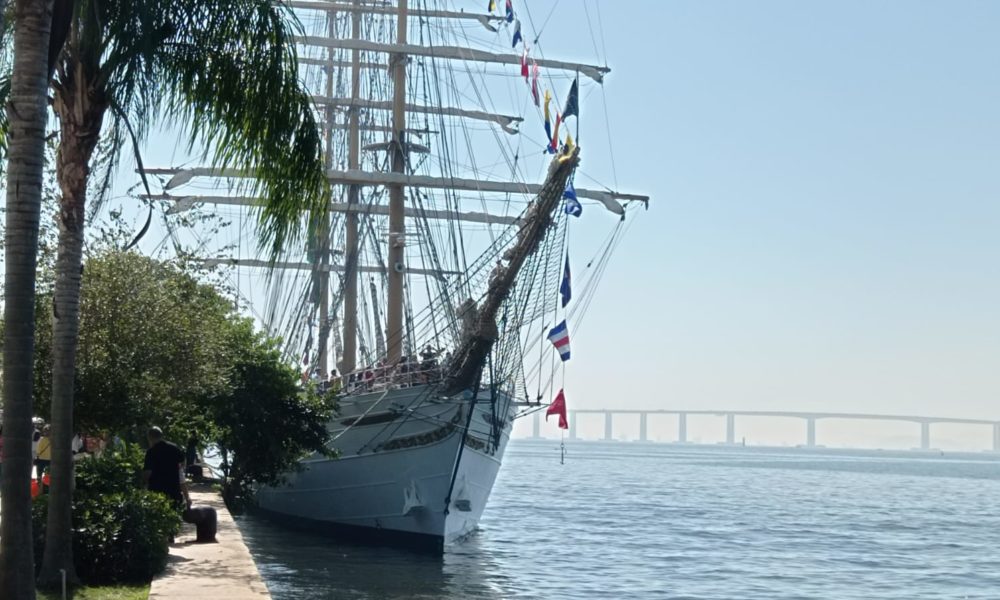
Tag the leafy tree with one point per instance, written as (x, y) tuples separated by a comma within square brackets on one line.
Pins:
[(228, 69), (26, 117), (157, 346), (264, 423), (152, 344)]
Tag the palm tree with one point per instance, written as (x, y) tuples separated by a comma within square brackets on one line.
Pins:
[(26, 120), (225, 68)]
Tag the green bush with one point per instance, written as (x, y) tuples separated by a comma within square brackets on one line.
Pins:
[(116, 471), (120, 532)]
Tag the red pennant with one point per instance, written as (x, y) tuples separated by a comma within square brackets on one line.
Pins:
[(558, 407), (554, 143)]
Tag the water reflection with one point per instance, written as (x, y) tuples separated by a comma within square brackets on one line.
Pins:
[(306, 566), (471, 572)]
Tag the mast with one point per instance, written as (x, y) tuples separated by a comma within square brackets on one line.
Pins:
[(377, 194), (349, 358), (321, 275), (379, 341), (397, 240)]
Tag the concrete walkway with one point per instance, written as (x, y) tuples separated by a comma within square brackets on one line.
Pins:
[(222, 571)]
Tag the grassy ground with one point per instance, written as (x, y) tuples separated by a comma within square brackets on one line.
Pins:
[(139, 592)]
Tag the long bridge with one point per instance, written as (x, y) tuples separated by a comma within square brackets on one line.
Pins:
[(810, 419)]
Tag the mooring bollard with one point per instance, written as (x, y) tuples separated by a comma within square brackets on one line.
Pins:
[(205, 520)]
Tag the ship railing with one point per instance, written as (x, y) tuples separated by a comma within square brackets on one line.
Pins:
[(379, 378)]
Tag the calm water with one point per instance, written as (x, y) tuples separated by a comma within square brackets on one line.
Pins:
[(623, 520)]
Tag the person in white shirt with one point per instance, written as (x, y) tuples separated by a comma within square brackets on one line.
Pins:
[(35, 436)]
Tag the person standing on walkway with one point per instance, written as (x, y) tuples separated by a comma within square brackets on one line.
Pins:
[(192, 460), (44, 455), (35, 437), (163, 468)]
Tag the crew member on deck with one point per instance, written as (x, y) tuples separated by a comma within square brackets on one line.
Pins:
[(335, 383)]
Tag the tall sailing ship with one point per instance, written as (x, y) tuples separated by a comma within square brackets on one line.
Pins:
[(444, 266)]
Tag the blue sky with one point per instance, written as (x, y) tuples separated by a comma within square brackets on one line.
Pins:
[(825, 230), (825, 225)]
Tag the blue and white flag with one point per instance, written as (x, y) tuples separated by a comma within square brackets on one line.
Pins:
[(517, 34), (559, 336), (510, 11), (573, 206), (564, 289)]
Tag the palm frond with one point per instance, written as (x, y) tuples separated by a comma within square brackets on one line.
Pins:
[(227, 69), (6, 63), (4, 94)]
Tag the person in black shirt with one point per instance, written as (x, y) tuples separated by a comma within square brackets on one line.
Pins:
[(163, 468), (193, 470)]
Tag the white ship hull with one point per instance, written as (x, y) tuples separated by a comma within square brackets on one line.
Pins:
[(407, 470)]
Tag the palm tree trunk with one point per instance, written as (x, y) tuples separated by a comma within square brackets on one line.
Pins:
[(26, 114), (81, 113)]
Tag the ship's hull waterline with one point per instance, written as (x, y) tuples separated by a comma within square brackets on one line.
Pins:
[(411, 470)]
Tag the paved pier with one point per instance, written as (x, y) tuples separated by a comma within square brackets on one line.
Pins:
[(222, 571)]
